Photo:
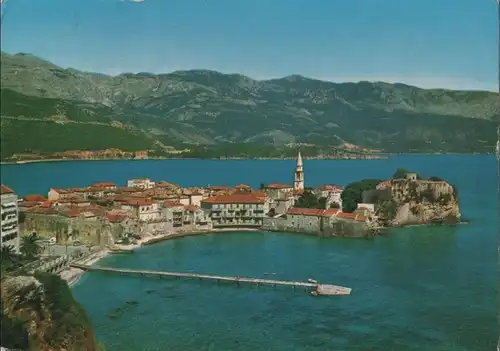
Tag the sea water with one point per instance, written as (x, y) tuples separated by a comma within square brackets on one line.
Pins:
[(421, 288)]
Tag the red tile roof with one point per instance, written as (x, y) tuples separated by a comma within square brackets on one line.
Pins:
[(103, 185), (279, 186), (61, 191), (243, 186), (5, 190), (235, 199), (346, 215), (47, 204), (73, 200), (331, 212), (28, 204), (129, 190), (42, 210), (116, 218), (34, 198), (139, 202), (80, 190), (169, 204), (259, 193), (191, 208), (312, 212)]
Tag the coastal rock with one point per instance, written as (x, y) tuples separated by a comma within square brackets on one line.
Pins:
[(39, 313), (410, 201)]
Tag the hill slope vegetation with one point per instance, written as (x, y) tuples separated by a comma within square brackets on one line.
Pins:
[(135, 111)]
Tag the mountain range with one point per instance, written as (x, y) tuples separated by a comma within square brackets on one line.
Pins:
[(46, 108)]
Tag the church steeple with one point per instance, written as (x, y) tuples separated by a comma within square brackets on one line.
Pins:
[(298, 183)]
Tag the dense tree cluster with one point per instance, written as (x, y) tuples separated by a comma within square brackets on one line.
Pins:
[(309, 200), (353, 193)]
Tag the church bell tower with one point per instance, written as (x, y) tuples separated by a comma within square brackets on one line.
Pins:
[(298, 183)]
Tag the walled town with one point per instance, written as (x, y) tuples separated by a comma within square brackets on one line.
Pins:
[(84, 224), (105, 214)]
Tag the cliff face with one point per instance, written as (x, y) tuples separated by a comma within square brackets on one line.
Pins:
[(39, 313), (418, 202)]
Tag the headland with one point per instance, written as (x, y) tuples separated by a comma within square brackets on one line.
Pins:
[(113, 219)]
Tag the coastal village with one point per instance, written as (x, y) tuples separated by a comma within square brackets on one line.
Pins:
[(107, 215)]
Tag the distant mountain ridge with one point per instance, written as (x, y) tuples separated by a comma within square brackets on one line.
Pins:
[(208, 107)]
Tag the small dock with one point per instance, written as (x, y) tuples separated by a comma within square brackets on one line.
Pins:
[(319, 289)]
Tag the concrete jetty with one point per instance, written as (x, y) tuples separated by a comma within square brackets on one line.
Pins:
[(319, 289)]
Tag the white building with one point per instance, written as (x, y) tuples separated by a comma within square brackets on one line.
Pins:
[(332, 194), (10, 218), (245, 210), (143, 209), (142, 183)]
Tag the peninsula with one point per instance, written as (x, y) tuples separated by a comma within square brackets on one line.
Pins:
[(106, 215), (81, 225)]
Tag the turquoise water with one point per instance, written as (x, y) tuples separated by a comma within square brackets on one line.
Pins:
[(422, 288)]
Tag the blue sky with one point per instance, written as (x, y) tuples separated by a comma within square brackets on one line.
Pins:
[(428, 43)]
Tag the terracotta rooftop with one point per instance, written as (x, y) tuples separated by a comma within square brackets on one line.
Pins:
[(346, 215), (169, 204), (235, 199), (42, 210), (5, 190), (61, 191), (243, 186), (28, 204), (103, 185), (218, 188), (191, 208), (126, 189), (47, 204), (279, 186), (139, 202), (34, 198), (116, 218)]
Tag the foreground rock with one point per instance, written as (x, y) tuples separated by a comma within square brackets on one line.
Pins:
[(39, 313)]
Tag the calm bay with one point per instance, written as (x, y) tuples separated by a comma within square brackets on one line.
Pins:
[(421, 288)]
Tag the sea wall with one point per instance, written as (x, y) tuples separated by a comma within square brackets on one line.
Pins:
[(321, 226), (92, 231)]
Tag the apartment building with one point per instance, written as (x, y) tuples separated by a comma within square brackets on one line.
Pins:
[(238, 210), (10, 217), (142, 183)]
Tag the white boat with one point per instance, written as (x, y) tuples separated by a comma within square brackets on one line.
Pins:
[(312, 281), (267, 273)]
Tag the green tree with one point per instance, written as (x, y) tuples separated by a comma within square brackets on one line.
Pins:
[(400, 173), (435, 179), (30, 247), (353, 193), (9, 258), (309, 200)]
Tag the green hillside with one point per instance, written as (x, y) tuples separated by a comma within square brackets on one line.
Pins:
[(211, 108)]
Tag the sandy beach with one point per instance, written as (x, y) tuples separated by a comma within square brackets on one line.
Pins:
[(73, 275)]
